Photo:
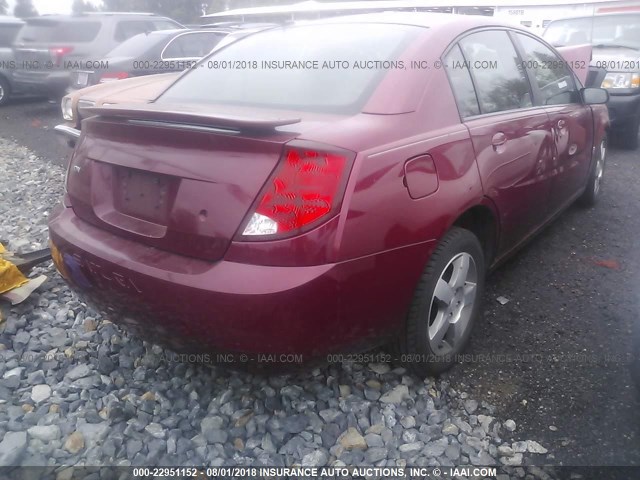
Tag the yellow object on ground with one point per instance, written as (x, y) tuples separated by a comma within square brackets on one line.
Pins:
[(10, 276)]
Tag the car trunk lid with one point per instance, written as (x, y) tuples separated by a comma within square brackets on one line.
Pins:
[(179, 180)]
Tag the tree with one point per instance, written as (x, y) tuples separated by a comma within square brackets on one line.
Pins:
[(4, 7), (80, 6), (24, 9)]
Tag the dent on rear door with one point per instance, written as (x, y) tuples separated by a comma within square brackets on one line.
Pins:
[(514, 152), (557, 91), (511, 138)]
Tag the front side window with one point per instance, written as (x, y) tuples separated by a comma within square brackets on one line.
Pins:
[(137, 46), (192, 45), (552, 76), (461, 84), (8, 34), (500, 80)]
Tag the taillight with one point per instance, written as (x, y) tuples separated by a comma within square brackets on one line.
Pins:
[(305, 189), (111, 76), (57, 53)]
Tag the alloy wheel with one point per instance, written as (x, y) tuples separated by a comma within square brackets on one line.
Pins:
[(600, 167), (452, 304)]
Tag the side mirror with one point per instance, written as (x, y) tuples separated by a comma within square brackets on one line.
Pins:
[(594, 96)]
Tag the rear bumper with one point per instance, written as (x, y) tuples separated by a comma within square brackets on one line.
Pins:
[(67, 135), (53, 84), (193, 305), (623, 109)]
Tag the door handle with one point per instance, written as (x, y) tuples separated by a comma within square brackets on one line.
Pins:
[(498, 139)]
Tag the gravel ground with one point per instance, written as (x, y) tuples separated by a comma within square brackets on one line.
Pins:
[(77, 390)]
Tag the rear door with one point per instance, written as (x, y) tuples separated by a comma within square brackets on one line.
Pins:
[(511, 136), (556, 90)]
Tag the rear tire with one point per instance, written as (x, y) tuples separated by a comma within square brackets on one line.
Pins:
[(446, 304), (5, 91), (594, 184)]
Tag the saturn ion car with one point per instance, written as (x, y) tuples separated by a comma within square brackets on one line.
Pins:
[(329, 187)]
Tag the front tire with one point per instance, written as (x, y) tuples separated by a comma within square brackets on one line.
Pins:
[(627, 137), (594, 185), (5, 91), (446, 304)]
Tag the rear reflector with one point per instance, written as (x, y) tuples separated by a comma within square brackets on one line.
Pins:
[(58, 52), (304, 190)]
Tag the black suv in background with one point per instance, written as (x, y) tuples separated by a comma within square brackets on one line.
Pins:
[(9, 28), (162, 51), (616, 49), (50, 47)]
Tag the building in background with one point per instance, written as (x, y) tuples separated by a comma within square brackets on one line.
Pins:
[(535, 14)]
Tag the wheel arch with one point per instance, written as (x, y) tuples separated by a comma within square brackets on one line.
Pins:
[(482, 220), (4, 77), (7, 87)]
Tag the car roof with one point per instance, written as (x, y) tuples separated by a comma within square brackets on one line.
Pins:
[(167, 33), (96, 15), (442, 25), (7, 20), (437, 21)]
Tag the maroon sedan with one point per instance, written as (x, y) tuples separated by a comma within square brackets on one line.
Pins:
[(328, 187)]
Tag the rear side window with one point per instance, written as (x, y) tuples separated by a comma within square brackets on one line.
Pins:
[(76, 31), (555, 81), (129, 28), (137, 46), (461, 84), (498, 75), (296, 68), (8, 34), (192, 45), (162, 24), (126, 29)]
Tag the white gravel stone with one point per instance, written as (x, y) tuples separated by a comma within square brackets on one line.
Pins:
[(12, 448), (515, 459), (535, 447), (396, 395), (40, 393), (46, 433), (510, 425), (380, 368), (520, 447)]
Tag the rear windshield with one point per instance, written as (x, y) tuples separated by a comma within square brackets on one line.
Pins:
[(8, 34), (47, 31), (138, 45), (614, 31), (323, 68)]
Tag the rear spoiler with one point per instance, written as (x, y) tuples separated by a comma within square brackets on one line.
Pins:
[(192, 117)]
